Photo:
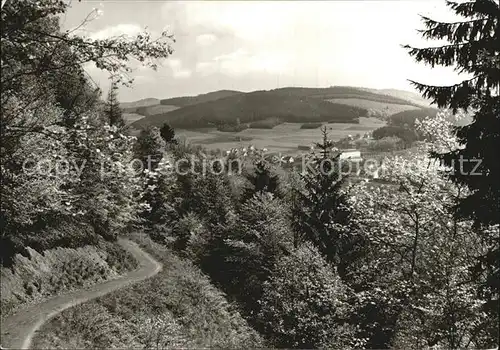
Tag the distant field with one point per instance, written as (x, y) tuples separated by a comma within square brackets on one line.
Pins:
[(157, 109), (131, 117), (388, 108), (282, 138)]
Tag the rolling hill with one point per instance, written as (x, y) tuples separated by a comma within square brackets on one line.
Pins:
[(410, 96), (192, 100), (256, 106), (131, 107), (291, 104), (407, 118)]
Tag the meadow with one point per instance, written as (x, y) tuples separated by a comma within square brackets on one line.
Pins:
[(285, 137)]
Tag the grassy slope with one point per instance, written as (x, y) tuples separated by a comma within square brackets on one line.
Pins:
[(382, 107), (300, 105), (129, 118), (131, 107), (40, 276), (178, 308)]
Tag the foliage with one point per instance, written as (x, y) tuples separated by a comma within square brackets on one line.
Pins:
[(178, 307), (260, 236), (304, 303), (168, 133), (385, 144), (262, 180), (321, 214), (472, 48), (51, 115), (112, 108), (408, 136), (419, 260)]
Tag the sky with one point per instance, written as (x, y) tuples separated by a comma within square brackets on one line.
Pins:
[(263, 45)]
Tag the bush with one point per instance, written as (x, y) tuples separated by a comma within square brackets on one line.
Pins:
[(311, 125), (386, 144), (265, 123), (231, 127), (406, 135), (304, 303)]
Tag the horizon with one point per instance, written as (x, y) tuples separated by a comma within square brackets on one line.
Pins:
[(283, 87), (251, 46)]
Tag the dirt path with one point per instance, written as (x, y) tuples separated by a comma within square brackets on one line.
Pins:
[(17, 330)]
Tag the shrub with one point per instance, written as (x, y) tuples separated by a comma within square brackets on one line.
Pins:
[(386, 144), (406, 135), (311, 125), (231, 127), (265, 123)]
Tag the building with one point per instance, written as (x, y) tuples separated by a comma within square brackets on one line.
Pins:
[(352, 154)]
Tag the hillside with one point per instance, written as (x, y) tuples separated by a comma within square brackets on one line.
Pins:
[(246, 108), (191, 100), (291, 104), (410, 96), (407, 118), (131, 107)]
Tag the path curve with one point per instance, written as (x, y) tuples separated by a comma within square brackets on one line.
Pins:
[(18, 330)]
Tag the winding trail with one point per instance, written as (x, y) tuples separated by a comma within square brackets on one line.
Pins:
[(18, 330)]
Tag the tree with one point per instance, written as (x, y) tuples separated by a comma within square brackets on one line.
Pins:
[(51, 111), (261, 181), (321, 212), (112, 109), (168, 134), (416, 278), (473, 48), (261, 235), (304, 303)]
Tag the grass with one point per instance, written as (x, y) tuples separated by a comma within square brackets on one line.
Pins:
[(40, 276), (266, 123), (178, 308), (129, 118), (311, 125), (282, 138), (386, 108)]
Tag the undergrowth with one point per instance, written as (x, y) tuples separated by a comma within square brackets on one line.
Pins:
[(178, 308)]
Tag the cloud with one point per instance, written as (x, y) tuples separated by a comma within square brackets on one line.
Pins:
[(340, 42), (241, 62), (126, 29), (205, 39), (177, 69)]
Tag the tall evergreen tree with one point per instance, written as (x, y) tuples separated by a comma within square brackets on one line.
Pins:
[(112, 109), (473, 48), (168, 134), (261, 180), (321, 212)]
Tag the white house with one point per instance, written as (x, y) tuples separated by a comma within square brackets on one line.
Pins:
[(350, 154)]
